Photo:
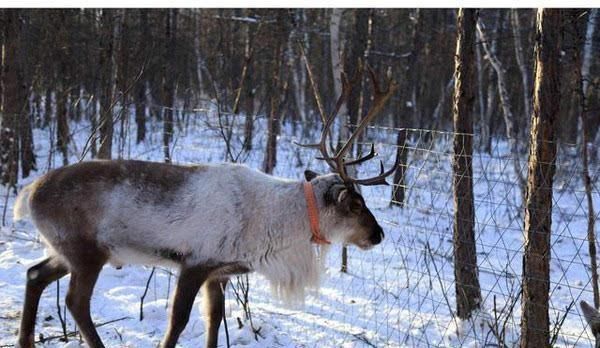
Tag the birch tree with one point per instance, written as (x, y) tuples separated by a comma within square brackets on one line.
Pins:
[(337, 47), (509, 119), (585, 135)]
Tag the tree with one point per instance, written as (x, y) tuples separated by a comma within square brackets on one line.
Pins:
[(542, 155), (25, 119), (407, 107), (169, 78), (61, 19), (107, 83), (521, 62), (585, 139), (468, 292), (275, 92), (140, 87), (512, 132), (14, 96)]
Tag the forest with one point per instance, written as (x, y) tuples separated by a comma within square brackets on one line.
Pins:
[(63, 66), (488, 106)]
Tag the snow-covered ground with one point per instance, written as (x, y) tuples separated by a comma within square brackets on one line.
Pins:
[(401, 293)]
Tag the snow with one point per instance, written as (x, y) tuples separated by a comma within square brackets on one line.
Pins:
[(400, 293)]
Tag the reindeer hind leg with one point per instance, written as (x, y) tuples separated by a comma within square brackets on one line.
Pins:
[(38, 278)]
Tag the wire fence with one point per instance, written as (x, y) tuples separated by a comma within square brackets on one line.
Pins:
[(407, 285), (402, 293)]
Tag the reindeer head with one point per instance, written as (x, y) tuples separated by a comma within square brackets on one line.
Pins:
[(349, 219), (344, 215)]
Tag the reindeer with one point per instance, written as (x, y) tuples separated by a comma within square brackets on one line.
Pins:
[(592, 317), (210, 221)]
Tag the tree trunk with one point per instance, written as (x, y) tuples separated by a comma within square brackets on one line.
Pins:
[(169, 72), (587, 51), (336, 48), (585, 132), (407, 111), (140, 88), (14, 98), (74, 102), (572, 36), (483, 130), (520, 57), (123, 77), (270, 159), (468, 292), (542, 155), (488, 122), (362, 99), (36, 107), (357, 44), (93, 126), (47, 108), (28, 111), (107, 83), (399, 185), (140, 111), (28, 162), (64, 88), (62, 122), (249, 88)]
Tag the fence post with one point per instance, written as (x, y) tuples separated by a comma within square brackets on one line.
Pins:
[(468, 292), (542, 157)]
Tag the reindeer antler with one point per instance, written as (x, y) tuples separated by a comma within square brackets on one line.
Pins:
[(338, 162)]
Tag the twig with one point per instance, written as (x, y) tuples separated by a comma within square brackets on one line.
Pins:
[(247, 59), (439, 278), (73, 333), (361, 337), (70, 334), (312, 84), (61, 318), (559, 324), (5, 205), (86, 146), (144, 294)]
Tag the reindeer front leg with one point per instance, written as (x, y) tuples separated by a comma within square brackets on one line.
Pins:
[(190, 281), (214, 309)]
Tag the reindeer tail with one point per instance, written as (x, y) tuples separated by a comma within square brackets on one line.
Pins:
[(21, 207)]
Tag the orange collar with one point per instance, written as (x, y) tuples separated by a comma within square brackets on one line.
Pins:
[(313, 214)]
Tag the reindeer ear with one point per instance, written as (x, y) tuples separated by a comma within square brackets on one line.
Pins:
[(592, 316), (342, 195), (336, 194), (309, 175)]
